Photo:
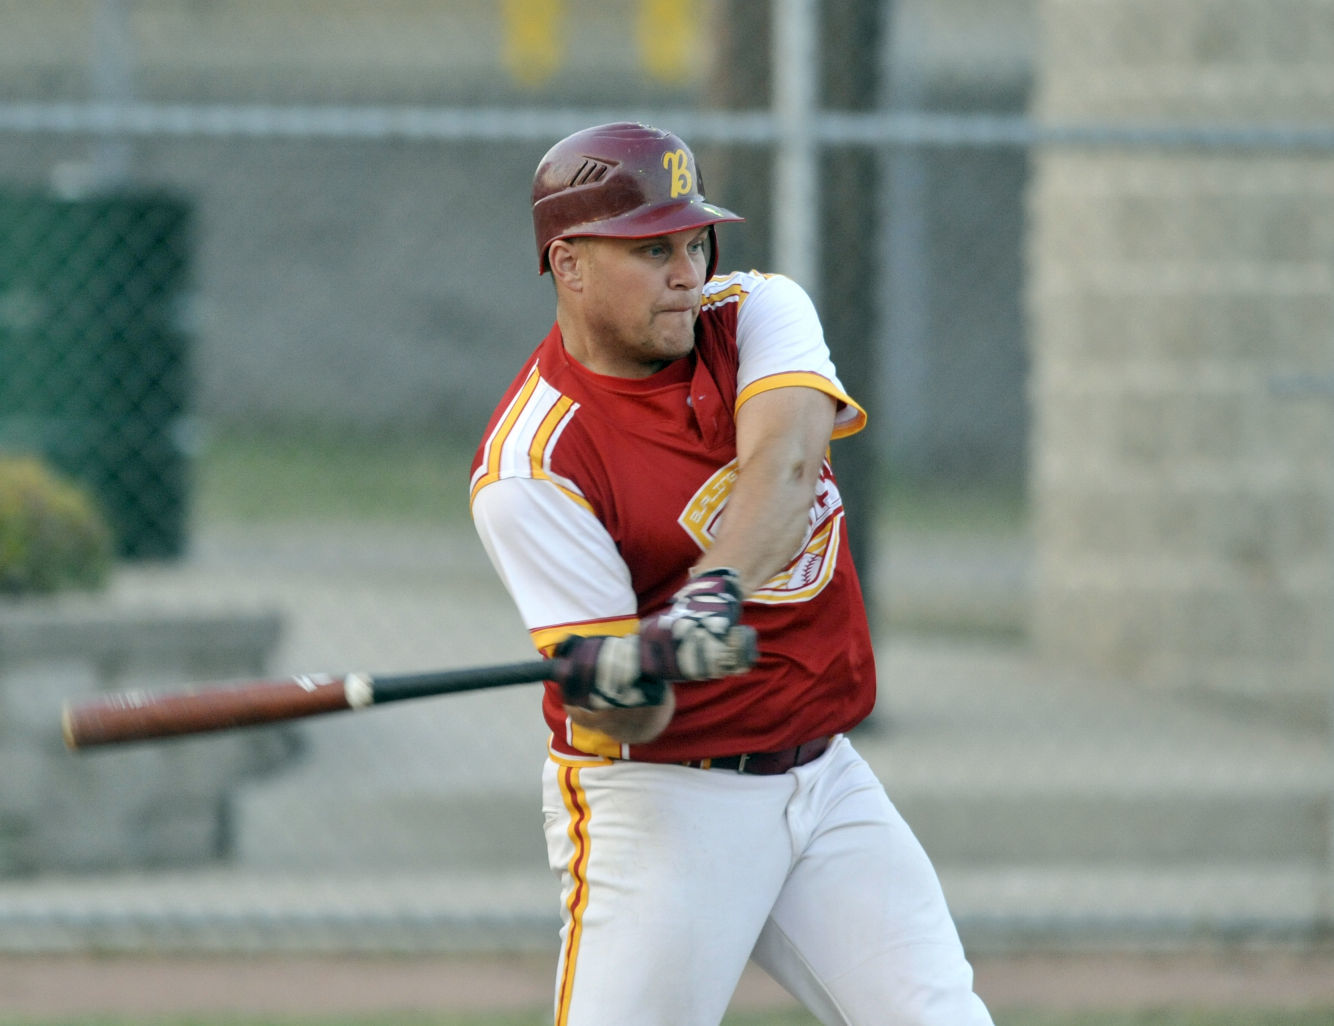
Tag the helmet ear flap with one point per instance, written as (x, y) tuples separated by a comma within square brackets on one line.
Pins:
[(713, 254)]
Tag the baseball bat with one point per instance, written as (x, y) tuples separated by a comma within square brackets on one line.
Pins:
[(201, 708)]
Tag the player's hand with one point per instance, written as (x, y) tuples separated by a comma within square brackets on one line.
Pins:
[(698, 637), (603, 672)]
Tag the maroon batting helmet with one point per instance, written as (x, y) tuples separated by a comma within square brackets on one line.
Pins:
[(622, 180)]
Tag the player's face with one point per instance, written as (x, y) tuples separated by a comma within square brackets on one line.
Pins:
[(636, 301)]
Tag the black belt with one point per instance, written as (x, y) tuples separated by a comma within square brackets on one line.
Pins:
[(767, 764)]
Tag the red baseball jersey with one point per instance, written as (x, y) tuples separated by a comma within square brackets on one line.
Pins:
[(594, 495)]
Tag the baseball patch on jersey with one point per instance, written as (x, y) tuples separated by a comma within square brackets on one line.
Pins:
[(811, 569)]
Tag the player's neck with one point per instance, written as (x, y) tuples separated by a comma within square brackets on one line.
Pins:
[(588, 349)]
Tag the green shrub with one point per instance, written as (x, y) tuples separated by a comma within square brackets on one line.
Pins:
[(52, 536)]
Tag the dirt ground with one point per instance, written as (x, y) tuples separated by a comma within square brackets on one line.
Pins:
[(131, 987)]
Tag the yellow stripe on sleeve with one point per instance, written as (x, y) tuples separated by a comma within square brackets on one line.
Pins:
[(520, 448), (542, 440), (806, 379), (586, 739), (496, 444), (735, 292), (546, 638)]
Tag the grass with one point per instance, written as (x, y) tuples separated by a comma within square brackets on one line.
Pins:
[(285, 477), (954, 507), (1314, 1017)]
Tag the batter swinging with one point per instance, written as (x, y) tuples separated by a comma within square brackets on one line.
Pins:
[(654, 491)]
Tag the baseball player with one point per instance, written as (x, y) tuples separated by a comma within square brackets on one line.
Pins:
[(655, 493)]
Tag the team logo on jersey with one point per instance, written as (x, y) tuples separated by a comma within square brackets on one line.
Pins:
[(811, 569), (700, 517), (677, 164)]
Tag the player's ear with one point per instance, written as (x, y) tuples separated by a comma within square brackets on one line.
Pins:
[(564, 258)]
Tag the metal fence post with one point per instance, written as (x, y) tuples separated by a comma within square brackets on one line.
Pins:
[(1317, 386), (904, 313), (796, 149), (113, 84)]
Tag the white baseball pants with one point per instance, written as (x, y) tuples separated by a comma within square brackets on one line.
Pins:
[(672, 877)]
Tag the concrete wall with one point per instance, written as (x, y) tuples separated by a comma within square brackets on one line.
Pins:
[(124, 807), (1181, 503)]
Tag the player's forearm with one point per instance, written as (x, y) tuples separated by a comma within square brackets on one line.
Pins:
[(782, 438), (627, 726), (763, 525)]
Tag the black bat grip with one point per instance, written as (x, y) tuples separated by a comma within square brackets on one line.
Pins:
[(398, 687)]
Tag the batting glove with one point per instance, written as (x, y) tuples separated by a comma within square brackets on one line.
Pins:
[(602, 672), (697, 637)]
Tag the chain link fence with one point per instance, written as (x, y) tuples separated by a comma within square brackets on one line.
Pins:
[(264, 268)]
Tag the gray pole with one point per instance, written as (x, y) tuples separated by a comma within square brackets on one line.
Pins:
[(112, 84), (1306, 386), (905, 314), (795, 213)]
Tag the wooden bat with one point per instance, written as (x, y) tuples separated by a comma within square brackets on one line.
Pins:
[(200, 708)]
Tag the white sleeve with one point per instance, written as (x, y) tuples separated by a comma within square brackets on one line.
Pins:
[(555, 557), (780, 341)]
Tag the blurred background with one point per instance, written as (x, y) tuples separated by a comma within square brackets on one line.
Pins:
[(266, 265)]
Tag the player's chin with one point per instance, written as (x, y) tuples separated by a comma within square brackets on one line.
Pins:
[(628, 726), (672, 345)]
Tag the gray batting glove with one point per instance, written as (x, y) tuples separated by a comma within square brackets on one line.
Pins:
[(603, 672), (698, 636)]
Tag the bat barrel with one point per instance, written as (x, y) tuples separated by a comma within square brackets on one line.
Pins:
[(142, 715), (139, 715)]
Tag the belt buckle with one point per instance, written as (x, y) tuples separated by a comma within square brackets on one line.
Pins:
[(741, 763)]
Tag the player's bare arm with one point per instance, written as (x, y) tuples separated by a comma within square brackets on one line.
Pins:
[(782, 438), (628, 726)]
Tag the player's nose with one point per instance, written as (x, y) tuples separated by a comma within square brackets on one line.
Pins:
[(686, 269)]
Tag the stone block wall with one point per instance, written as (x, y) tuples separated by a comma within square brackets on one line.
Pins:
[(125, 806), (1181, 498)]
